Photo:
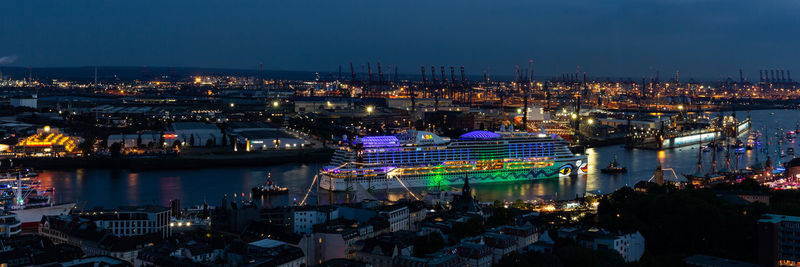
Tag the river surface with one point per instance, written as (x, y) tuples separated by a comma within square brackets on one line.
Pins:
[(111, 188)]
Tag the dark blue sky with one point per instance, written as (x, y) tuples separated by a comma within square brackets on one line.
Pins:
[(701, 38)]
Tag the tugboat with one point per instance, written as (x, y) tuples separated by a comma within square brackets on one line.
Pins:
[(614, 168), (269, 188)]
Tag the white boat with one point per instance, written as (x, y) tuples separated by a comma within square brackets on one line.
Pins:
[(30, 216), (423, 159)]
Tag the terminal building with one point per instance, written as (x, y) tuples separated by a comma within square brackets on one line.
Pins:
[(47, 142), (261, 136), (201, 133)]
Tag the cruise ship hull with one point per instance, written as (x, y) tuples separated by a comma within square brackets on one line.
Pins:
[(30, 217), (560, 168)]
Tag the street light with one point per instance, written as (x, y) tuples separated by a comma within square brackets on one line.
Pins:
[(590, 121), (370, 109), (574, 116), (275, 104)]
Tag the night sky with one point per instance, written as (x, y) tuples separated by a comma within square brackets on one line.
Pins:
[(624, 38)]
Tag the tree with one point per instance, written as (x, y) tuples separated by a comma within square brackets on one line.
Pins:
[(498, 204), (224, 139), (115, 150), (191, 140), (176, 144), (209, 142), (87, 146), (139, 140), (161, 139), (519, 204)]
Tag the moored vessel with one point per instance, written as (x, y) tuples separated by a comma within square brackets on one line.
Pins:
[(423, 159), (269, 188)]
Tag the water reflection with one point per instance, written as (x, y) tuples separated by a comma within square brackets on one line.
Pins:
[(121, 187)]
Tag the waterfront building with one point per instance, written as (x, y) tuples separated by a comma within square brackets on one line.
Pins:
[(9, 224), (47, 141), (134, 140), (131, 221), (28, 102), (255, 135), (777, 240), (315, 104), (199, 132)]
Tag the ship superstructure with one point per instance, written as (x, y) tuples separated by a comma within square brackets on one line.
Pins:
[(423, 159)]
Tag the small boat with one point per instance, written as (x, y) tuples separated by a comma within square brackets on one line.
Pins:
[(269, 188), (739, 143), (614, 168)]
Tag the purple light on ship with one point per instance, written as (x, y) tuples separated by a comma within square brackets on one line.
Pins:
[(380, 141), (480, 135)]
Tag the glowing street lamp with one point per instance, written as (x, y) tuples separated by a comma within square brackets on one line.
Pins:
[(275, 104), (370, 109)]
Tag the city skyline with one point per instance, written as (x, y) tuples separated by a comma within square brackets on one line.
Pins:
[(708, 40)]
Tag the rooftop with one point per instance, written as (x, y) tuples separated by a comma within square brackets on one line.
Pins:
[(480, 135), (777, 218), (705, 260), (177, 126), (266, 243)]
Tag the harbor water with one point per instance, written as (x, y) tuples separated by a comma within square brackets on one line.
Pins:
[(111, 188)]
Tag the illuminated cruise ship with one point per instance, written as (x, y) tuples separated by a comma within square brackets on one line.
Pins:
[(423, 159)]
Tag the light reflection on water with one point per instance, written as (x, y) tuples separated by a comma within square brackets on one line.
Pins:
[(104, 187)]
